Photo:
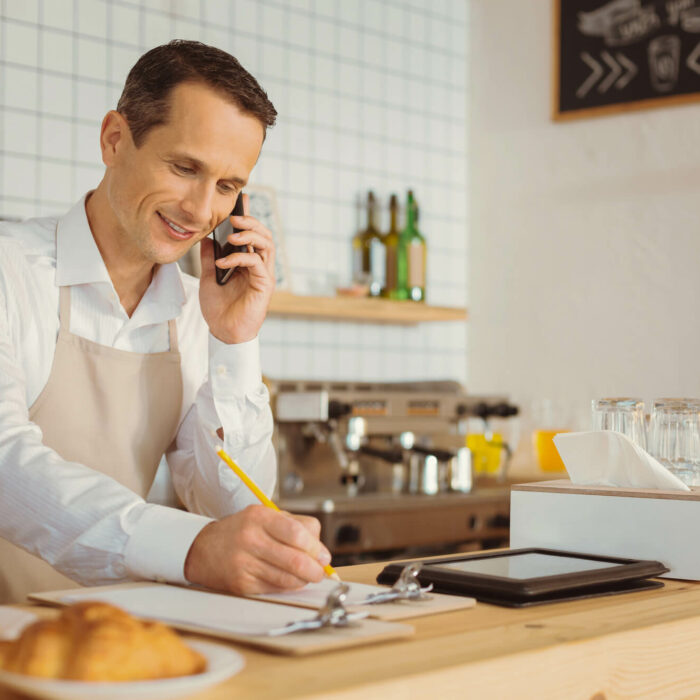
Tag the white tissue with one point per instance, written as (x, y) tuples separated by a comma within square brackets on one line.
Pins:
[(608, 458)]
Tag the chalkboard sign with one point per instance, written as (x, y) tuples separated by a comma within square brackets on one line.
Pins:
[(612, 55)]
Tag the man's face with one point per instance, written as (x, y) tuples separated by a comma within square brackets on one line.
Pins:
[(185, 177)]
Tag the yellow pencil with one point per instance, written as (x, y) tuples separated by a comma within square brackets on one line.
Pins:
[(330, 571)]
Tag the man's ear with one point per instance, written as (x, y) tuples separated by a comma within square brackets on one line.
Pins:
[(114, 136)]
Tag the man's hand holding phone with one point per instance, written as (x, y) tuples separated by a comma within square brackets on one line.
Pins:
[(235, 307), (222, 246)]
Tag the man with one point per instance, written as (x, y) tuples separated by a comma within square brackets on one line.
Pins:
[(110, 357)]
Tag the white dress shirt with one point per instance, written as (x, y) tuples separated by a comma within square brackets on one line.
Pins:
[(107, 533)]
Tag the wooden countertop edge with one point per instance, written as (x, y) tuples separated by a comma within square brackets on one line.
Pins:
[(613, 666), (614, 645), (586, 645)]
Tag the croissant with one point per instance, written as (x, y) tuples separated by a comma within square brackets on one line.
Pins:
[(93, 641)]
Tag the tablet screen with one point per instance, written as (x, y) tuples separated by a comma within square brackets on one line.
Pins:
[(529, 565)]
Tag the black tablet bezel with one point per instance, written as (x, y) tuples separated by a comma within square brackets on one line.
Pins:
[(607, 589), (468, 583)]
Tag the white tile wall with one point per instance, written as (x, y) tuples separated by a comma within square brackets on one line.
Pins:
[(370, 94)]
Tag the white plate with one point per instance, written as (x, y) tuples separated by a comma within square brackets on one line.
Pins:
[(13, 621), (222, 663)]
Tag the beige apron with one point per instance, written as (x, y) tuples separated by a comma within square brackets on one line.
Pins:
[(112, 410)]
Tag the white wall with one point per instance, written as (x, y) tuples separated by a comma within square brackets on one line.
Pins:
[(370, 94), (584, 264)]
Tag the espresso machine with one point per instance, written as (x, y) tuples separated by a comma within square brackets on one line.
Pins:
[(385, 468)]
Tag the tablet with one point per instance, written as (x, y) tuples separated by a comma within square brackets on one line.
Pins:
[(519, 577)]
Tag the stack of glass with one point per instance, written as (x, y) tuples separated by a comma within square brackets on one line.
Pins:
[(671, 433)]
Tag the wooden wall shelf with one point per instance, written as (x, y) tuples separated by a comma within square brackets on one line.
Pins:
[(361, 309)]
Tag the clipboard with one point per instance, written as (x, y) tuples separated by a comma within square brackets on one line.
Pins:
[(241, 620), (313, 595)]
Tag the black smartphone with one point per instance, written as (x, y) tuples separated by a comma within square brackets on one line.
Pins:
[(222, 247)]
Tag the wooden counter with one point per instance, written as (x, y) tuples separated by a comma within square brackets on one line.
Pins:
[(635, 645)]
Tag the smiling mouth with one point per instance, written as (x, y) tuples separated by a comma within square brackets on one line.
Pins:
[(176, 230)]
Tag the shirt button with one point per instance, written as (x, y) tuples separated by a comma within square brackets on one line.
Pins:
[(221, 369)]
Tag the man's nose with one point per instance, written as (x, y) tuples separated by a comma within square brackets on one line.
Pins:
[(197, 204)]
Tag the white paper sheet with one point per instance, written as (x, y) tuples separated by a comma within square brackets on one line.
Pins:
[(314, 595), (187, 606)]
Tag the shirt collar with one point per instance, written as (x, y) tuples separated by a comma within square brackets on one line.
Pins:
[(79, 261), (164, 297)]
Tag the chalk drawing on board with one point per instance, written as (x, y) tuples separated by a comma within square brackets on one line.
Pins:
[(617, 55), (620, 22), (622, 72)]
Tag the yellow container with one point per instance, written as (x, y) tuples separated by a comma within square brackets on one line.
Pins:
[(546, 451), (486, 454)]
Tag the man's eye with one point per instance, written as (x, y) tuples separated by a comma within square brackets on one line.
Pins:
[(227, 189), (183, 169)]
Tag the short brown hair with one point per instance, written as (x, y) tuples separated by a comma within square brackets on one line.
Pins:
[(144, 102)]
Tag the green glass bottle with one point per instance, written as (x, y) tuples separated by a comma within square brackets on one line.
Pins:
[(369, 266), (414, 247), (391, 243)]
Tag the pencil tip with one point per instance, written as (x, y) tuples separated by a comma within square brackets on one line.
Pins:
[(335, 577)]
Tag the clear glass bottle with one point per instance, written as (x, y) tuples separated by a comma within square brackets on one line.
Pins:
[(369, 254)]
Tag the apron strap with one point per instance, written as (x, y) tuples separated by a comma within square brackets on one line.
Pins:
[(64, 308), (172, 332)]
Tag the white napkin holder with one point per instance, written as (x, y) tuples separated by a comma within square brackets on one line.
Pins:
[(636, 523)]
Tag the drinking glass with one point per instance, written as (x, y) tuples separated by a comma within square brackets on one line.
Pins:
[(624, 415), (674, 437), (549, 418)]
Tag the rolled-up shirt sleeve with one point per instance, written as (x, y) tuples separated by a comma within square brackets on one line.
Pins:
[(233, 398)]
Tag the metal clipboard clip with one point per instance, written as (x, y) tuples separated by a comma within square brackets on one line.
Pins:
[(332, 614), (407, 587)]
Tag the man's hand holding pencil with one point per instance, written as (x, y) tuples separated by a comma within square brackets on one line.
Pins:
[(258, 550)]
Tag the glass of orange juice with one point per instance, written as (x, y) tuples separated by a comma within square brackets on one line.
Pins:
[(546, 451), (549, 418)]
